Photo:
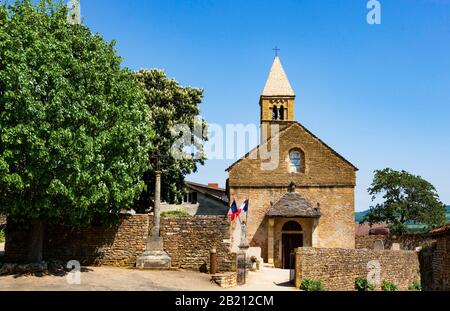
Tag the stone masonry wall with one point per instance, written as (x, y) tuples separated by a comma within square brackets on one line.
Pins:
[(117, 245), (338, 268), (441, 264), (327, 179), (336, 226), (407, 242), (189, 240), (323, 167)]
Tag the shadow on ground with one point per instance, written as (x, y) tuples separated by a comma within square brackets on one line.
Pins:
[(284, 284), (55, 268)]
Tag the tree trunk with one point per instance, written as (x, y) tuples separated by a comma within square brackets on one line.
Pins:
[(35, 252)]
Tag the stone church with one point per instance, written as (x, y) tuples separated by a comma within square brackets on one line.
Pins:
[(307, 199)]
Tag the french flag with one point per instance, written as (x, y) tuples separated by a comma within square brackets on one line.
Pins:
[(234, 212), (244, 207)]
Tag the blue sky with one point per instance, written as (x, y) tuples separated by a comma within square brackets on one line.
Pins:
[(377, 94)]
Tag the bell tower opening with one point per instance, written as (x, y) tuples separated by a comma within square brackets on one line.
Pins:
[(277, 101)]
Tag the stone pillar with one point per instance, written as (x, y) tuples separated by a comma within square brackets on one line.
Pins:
[(157, 208), (154, 257), (315, 233), (270, 241)]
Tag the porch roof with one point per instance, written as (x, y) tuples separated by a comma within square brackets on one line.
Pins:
[(293, 205)]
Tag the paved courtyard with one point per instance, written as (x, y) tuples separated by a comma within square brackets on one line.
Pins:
[(118, 279)]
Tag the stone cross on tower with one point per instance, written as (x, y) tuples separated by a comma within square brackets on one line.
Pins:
[(74, 12)]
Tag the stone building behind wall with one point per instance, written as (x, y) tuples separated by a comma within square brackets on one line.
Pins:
[(301, 191), (200, 200), (441, 259)]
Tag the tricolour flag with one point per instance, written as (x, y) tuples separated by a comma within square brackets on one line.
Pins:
[(244, 207), (234, 212)]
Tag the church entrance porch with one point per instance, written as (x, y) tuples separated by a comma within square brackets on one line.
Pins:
[(293, 223), (287, 234)]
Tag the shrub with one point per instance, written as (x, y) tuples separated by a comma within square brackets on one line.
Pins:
[(2, 236), (398, 229), (415, 286), (388, 286), (363, 285), (175, 214), (310, 285)]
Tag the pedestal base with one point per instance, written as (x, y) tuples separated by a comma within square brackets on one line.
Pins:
[(154, 260)]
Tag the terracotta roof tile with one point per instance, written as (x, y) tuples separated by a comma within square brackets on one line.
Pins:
[(442, 230)]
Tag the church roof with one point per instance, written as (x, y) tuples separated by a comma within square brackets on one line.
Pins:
[(293, 205), (278, 83), (280, 134)]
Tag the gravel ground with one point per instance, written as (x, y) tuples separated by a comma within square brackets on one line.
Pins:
[(118, 279)]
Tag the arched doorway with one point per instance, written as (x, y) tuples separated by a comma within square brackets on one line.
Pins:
[(292, 238)]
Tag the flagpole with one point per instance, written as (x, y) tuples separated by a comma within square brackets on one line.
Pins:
[(248, 209)]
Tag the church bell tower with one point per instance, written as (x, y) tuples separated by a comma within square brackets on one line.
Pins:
[(277, 102)]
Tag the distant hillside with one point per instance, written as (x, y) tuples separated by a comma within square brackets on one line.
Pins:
[(359, 216)]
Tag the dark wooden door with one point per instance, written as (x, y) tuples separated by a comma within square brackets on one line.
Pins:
[(290, 242)]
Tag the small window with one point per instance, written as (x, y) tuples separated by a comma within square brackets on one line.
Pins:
[(295, 162)]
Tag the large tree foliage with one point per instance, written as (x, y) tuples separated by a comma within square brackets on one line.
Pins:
[(404, 198), (172, 105), (75, 131)]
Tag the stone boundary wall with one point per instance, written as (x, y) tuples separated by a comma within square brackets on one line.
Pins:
[(407, 242), (117, 245), (189, 240), (440, 264), (338, 268)]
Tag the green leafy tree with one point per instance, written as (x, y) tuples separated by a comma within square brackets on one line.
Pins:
[(75, 131), (405, 198), (172, 105)]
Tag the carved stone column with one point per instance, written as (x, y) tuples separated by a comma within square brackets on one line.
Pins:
[(157, 208)]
